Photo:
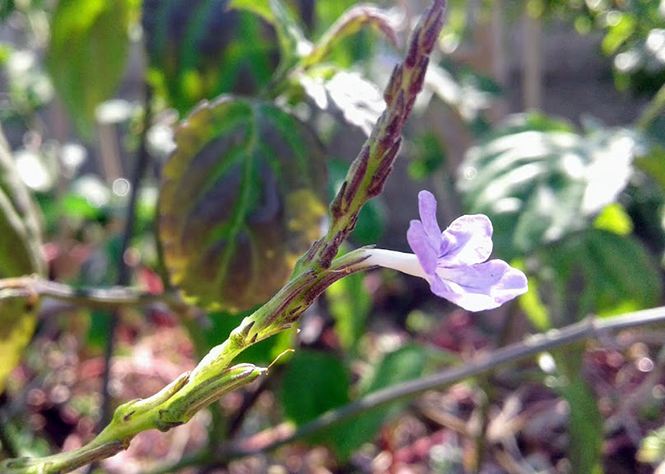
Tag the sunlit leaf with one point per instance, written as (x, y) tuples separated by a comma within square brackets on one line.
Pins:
[(539, 186), (242, 198), (345, 95), (198, 49), (614, 219), (652, 447), (87, 53), (352, 49), (20, 255), (467, 94)]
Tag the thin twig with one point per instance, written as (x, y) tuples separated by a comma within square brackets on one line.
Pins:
[(124, 272), (653, 110), (590, 328), (88, 297)]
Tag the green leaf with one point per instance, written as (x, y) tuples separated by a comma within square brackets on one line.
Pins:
[(7, 7), (614, 218), (622, 28), (653, 164), (371, 223), (539, 186), (313, 383), (242, 198), (531, 302), (467, 94), (292, 43), (87, 54), (349, 305), (600, 272), (20, 255), (652, 447), (426, 155), (404, 364), (258, 7), (198, 49), (585, 428)]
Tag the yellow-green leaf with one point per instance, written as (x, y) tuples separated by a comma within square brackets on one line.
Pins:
[(19, 255), (242, 198), (87, 54)]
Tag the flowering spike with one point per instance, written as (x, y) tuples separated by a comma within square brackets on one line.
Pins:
[(381, 174), (371, 167)]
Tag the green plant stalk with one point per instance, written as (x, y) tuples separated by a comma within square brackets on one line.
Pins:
[(348, 24), (162, 411), (314, 273), (653, 110), (369, 171)]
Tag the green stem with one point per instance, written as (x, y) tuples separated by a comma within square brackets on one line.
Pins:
[(217, 430), (654, 109)]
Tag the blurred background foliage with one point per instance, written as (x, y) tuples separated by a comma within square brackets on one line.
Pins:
[(237, 189)]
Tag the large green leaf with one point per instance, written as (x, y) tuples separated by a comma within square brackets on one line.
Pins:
[(291, 40), (316, 382), (538, 186), (20, 255), (595, 272), (87, 54), (242, 199), (313, 383), (404, 364), (199, 49)]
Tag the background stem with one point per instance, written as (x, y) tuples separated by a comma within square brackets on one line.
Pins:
[(587, 329)]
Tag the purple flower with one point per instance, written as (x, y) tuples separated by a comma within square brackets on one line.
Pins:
[(454, 261)]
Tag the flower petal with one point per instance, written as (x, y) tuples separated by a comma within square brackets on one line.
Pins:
[(421, 245), (427, 210), (468, 240), (479, 287)]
